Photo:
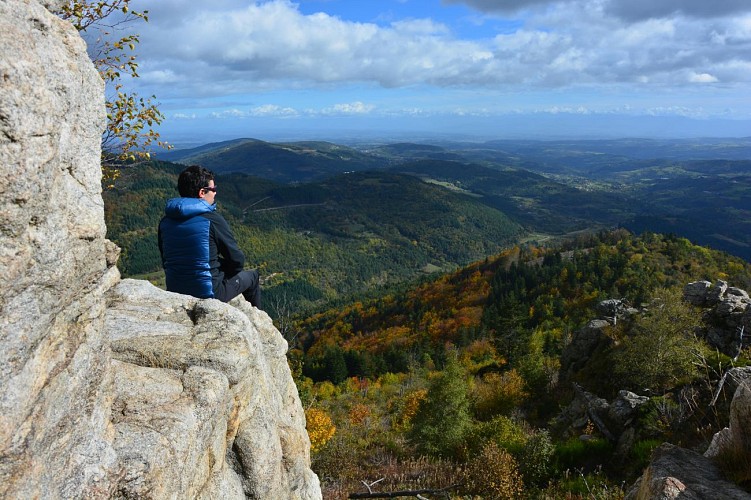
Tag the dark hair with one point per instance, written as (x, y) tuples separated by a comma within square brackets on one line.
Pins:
[(192, 179)]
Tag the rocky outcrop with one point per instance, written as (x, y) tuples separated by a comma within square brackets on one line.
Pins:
[(113, 388), (736, 438), (204, 401), (613, 420), (683, 474), (678, 473), (55, 437), (593, 336), (727, 314)]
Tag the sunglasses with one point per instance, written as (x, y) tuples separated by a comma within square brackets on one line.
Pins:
[(210, 188)]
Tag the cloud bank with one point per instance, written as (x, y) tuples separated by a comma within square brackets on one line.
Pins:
[(232, 46)]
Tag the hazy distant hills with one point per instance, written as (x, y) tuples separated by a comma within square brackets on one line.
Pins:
[(601, 157), (539, 203), (282, 162), (596, 159), (696, 188)]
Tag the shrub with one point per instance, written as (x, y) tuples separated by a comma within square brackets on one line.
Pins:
[(537, 457), (359, 414), (662, 416), (585, 455), (659, 351), (410, 405), (502, 431), (443, 418), (493, 474), (497, 394), (320, 428)]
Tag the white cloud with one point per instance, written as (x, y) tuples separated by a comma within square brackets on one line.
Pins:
[(353, 108), (632, 10), (229, 113), (160, 76), (231, 46), (702, 78), (273, 110), (228, 48), (675, 111), (574, 110), (184, 116)]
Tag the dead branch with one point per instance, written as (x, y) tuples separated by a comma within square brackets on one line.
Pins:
[(405, 493)]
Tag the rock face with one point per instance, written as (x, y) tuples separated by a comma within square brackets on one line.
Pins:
[(55, 437), (613, 420), (736, 438), (204, 400), (114, 388), (727, 314), (683, 474)]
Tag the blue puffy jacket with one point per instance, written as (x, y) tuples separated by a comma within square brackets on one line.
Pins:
[(197, 247)]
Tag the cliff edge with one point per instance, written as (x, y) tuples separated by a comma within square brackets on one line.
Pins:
[(109, 387)]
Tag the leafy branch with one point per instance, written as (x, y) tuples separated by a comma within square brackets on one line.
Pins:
[(131, 119)]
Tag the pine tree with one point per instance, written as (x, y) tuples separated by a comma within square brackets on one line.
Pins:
[(443, 419)]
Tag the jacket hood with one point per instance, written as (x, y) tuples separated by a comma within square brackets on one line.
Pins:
[(184, 208)]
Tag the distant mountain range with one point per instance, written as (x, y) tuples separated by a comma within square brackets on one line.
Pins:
[(281, 162), (698, 188)]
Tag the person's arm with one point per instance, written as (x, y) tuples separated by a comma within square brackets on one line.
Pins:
[(232, 258), (159, 242)]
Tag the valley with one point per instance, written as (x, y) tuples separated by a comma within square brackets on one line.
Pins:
[(439, 300)]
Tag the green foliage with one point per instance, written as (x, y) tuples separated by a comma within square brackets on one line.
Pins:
[(331, 366), (536, 458), (502, 430), (131, 119), (660, 349), (583, 454), (443, 418), (641, 452)]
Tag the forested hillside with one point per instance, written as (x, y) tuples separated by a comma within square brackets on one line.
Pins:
[(479, 376), (281, 162), (469, 378), (320, 241), (695, 188), (539, 203)]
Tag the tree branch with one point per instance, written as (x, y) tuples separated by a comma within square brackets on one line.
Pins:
[(404, 493)]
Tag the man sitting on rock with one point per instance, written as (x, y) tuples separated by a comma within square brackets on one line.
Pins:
[(199, 253)]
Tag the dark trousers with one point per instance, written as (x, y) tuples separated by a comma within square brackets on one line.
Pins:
[(246, 283)]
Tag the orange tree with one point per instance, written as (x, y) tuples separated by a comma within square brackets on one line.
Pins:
[(131, 118)]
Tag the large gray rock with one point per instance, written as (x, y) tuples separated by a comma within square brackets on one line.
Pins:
[(583, 345), (624, 409), (727, 314), (736, 438), (199, 401), (613, 310), (696, 292), (683, 474), (55, 437), (205, 404)]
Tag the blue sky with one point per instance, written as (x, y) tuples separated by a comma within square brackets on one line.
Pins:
[(481, 69)]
